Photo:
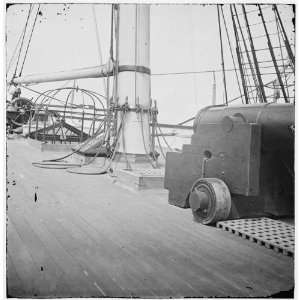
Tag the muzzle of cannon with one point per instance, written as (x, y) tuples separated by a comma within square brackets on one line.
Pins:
[(240, 163)]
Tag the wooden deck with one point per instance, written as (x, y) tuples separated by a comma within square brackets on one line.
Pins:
[(87, 237)]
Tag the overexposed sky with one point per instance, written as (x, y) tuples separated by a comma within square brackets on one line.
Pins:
[(184, 37)]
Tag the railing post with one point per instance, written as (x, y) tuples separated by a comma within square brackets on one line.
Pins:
[(44, 129), (30, 119), (82, 123), (37, 123), (53, 126)]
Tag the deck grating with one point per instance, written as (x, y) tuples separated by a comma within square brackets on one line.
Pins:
[(270, 233)]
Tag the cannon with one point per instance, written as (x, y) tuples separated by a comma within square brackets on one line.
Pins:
[(240, 163)]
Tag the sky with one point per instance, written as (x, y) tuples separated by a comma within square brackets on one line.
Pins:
[(184, 37)]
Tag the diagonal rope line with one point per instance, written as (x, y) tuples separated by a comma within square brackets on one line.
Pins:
[(29, 41), (15, 51), (231, 52), (98, 41), (25, 27)]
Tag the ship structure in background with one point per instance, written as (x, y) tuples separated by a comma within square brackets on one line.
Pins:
[(129, 112)]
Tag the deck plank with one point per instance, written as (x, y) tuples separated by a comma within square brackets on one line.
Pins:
[(79, 283), (62, 215), (23, 262), (51, 279), (103, 240), (14, 285), (77, 246), (219, 254), (114, 230), (158, 253)]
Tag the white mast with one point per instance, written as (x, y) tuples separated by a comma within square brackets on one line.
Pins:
[(134, 87)]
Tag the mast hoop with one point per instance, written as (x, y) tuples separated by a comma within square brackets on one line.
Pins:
[(134, 68)]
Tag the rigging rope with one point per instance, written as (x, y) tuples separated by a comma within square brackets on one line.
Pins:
[(25, 27), (111, 48), (238, 97), (279, 34), (195, 72), (98, 41), (108, 128), (231, 52), (169, 147), (239, 56), (107, 132), (115, 65), (255, 61), (30, 39), (57, 160), (247, 52), (14, 52), (159, 144), (144, 142), (222, 56), (135, 51), (104, 169)]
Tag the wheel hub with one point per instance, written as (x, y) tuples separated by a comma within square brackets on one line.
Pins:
[(199, 200)]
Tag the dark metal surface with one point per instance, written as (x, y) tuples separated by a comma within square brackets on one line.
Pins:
[(251, 148), (276, 121)]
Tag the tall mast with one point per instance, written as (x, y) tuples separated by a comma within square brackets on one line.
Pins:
[(134, 87)]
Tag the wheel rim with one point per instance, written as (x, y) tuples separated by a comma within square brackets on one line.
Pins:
[(210, 200)]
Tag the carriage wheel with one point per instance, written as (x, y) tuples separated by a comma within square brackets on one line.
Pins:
[(210, 200)]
